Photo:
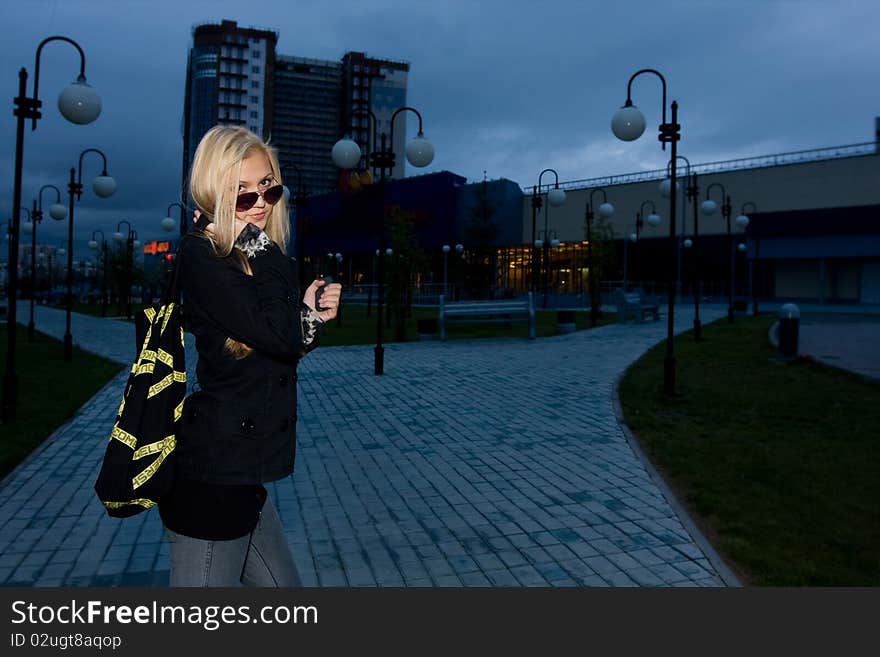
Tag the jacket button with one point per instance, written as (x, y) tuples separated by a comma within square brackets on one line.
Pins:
[(282, 381), (247, 424), (285, 423)]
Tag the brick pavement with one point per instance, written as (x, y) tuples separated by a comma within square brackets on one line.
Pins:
[(469, 463)]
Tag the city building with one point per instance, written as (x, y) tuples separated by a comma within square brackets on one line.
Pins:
[(380, 86), (813, 232), (306, 118), (302, 106), (229, 80)]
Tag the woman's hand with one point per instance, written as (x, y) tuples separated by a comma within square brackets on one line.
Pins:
[(329, 300)]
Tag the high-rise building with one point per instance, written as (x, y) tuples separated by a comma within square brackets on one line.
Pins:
[(229, 80), (302, 106), (306, 118), (380, 85)]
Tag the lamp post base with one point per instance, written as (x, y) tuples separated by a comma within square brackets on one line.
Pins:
[(669, 375), (379, 360), (68, 346), (30, 331), (698, 330), (10, 388)]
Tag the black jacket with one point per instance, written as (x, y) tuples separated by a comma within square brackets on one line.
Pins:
[(240, 426)]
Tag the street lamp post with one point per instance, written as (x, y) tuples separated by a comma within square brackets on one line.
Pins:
[(103, 187), (93, 244), (389, 253), (740, 249), (168, 222), (691, 193), (709, 207), (30, 228), (743, 221), (299, 229), (347, 154), (129, 238), (555, 197), (546, 243), (446, 250), (57, 212), (628, 124), (78, 103), (338, 258), (606, 210), (459, 249), (653, 220), (133, 243)]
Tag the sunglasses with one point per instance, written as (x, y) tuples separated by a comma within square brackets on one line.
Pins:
[(247, 200)]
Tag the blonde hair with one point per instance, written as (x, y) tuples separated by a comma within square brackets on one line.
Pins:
[(213, 185)]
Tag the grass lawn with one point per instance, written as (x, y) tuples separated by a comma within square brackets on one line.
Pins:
[(50, 390), (357, 328), (778, 463)]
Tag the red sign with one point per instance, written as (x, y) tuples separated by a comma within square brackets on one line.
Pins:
[(154, 247)]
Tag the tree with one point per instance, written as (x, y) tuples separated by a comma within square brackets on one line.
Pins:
[(480, 233), (407, 260), (122, 273), (603, 258)]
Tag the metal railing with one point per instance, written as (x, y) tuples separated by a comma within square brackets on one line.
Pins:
[(760, 161), (427, 294)]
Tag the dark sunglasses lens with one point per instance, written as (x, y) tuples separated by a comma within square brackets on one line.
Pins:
[(246, 201), (273, 194)]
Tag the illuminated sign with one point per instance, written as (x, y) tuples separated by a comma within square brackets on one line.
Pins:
[(154, 247)]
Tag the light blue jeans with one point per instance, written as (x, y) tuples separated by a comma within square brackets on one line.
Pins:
[(261, 558)]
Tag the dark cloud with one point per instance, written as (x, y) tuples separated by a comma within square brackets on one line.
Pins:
[(509, 88)]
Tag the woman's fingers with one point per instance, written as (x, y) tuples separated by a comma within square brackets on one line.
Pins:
[(331, 295)]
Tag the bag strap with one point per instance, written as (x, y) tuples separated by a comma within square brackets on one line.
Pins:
[(172, 289)]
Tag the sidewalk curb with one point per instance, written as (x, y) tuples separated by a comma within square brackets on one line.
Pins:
[(724, 572)]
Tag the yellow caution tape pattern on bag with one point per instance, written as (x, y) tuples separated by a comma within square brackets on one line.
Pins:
[(145, 364)]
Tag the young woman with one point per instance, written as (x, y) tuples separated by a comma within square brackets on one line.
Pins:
[(238, 430)]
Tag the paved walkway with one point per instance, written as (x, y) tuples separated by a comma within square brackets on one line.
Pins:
[(850, 342), (475, 463)]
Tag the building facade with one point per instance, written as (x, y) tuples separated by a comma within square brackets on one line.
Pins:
[(840, 185), (301, 106), (306, 119), (813, 232), (229, 81), (380, 85)]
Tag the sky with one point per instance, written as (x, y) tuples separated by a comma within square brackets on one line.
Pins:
[(506, 88)]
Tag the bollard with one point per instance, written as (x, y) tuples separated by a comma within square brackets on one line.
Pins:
[(789, 324)]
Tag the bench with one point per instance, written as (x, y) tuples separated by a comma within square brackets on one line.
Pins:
[(636, 304), (502, 310)]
